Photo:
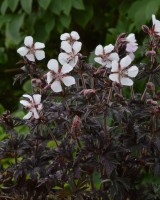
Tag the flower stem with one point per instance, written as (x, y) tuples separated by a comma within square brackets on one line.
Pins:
[(83, 81), (145, 90), (132, 92)]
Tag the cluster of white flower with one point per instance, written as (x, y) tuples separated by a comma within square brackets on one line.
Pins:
[(121, 71), (71, 47)]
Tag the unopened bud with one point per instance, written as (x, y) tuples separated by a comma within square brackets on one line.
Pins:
[(88, 91), (145, 29), (150, 86), (152, 102), (150, 53), (76, 123)]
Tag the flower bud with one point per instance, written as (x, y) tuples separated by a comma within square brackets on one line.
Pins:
[(88, 91), (150, 86), (150, 53), (76, 123), (145, 29), (152, 102), (36, 82)]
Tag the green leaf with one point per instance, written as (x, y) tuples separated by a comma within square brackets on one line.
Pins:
[(96, 180), (13, 30), (13, 4), (78, 4), (67, 5), (50, 25), (1, 109), (82, 17), (44, 3), (26, 5), (65, 21), (4, 7), (56, 6), (27, 87)]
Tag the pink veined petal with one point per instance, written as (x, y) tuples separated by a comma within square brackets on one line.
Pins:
[(66, 47), (99, 50), (49, 77), (28, 115), (114, 77), (56, 86), (25, 103), (37, 98), (75, 35), (63, 58), (153, 19), (30, 57), (22, 51), (77, 47), (131, 47), (73, 61), (66, 68), (53, 65), (39, 54), (99, 60), (132, 71), (68, 80), (108, 48), (113, 56), (28, 96), (39, 45), (115, 66), (126, 81), (125, 62), (39, 107), (28, 41), (131, 38), (35, 113), (65, 36)]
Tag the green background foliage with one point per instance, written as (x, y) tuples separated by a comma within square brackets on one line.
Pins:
[(97, 22)]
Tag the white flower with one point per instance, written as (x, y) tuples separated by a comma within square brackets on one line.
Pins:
[(105, 57), (57, 75), (33, 104), (71, 53), (122, 72), (32, 50), (156, 25), (70, 37), (132, 45)]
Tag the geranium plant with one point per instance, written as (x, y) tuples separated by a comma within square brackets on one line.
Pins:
[(88, 138)]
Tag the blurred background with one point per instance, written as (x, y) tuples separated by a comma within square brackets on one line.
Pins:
[(97, 22)]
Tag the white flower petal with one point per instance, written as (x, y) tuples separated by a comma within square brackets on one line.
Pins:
[(126, 81), (153, 19), (37, 98), (68, 80), (131, 38), (108, 64), (39, 54), (131, 47), (113, 56), (99, 50), (66, 68), (66, 47), (30, 57), (115, 66), (56, 86), (64, 36), (28, 96), (28, 41), (63, 58), (132, 71), (39, 45), (114, 77), (25, 103), (53, 65), (49, 77), (99, 60), (40, 106), (75, 35), (35, 113), (125, 62), (28, 115), (73, 61), (77, 47), (108, 48), (22, 51)]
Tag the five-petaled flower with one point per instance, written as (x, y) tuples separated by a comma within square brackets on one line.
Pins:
[(156, 25), (121, 72), (56, 75), (71, 47), (32, 50), (105, 55), (33, 104)]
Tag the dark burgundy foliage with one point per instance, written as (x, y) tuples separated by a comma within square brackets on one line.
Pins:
[(104, 144)]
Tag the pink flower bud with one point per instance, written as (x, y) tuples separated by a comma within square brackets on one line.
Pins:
[(145, 29)]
